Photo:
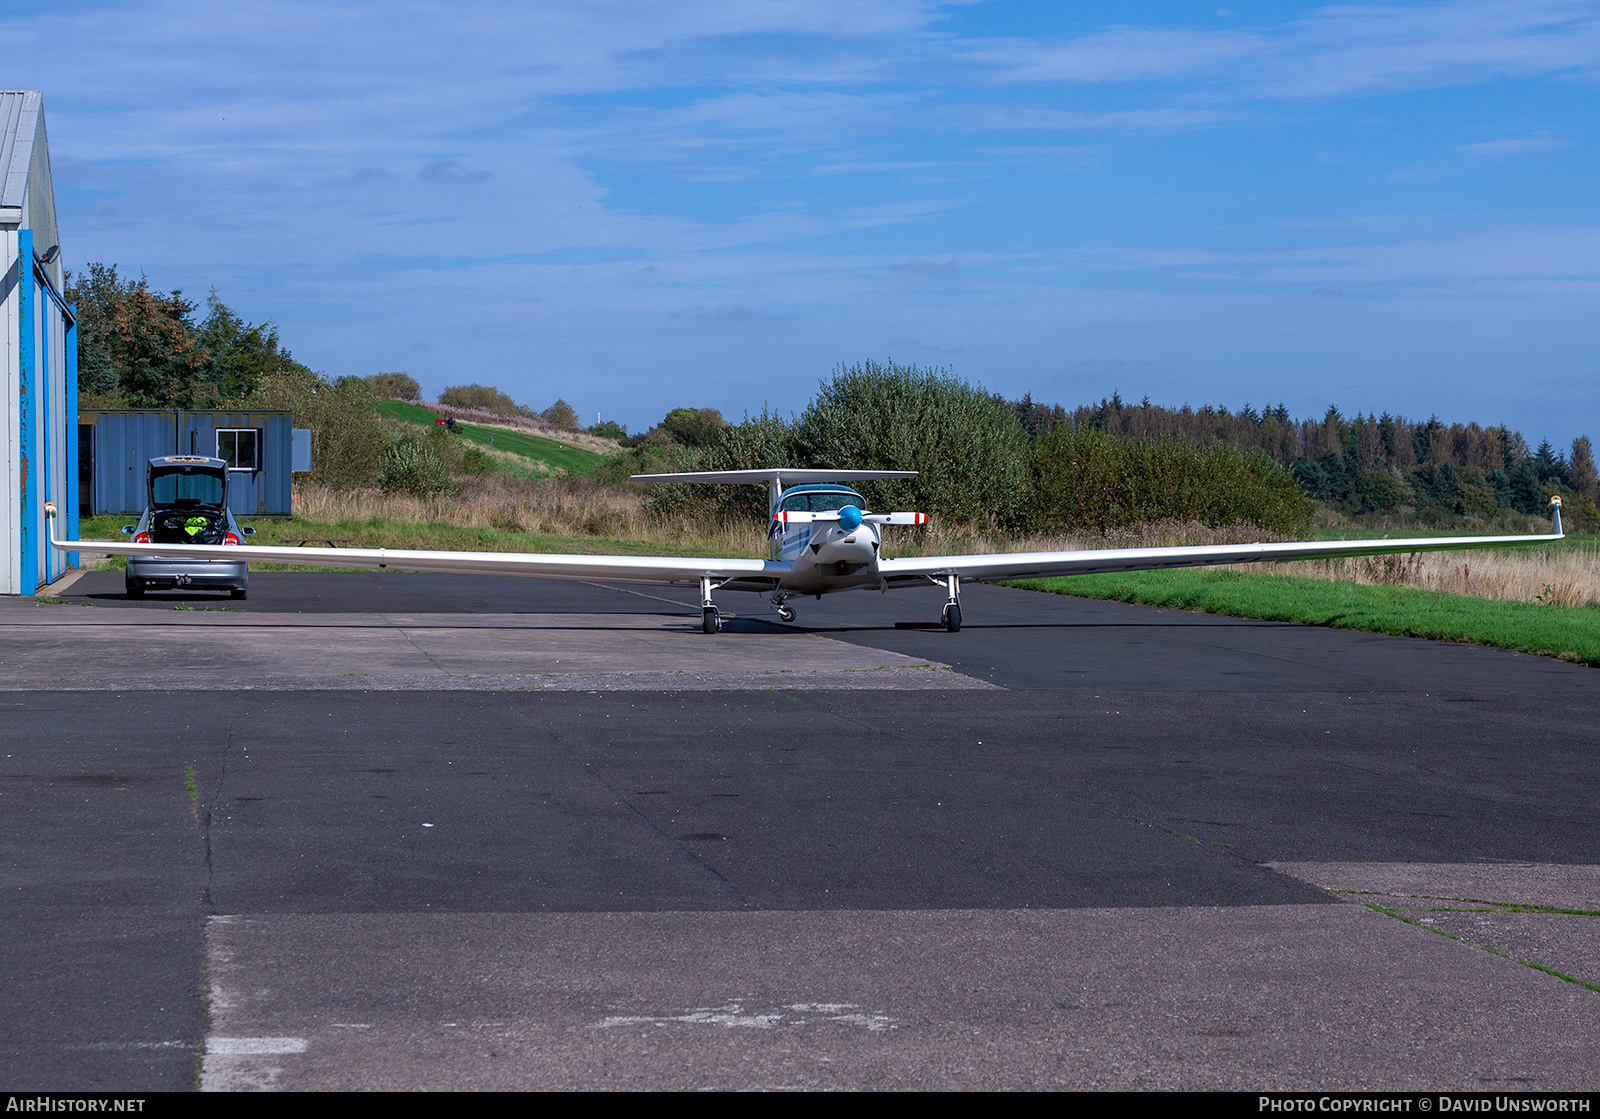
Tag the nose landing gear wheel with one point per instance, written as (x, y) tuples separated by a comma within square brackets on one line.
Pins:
[(710, 620), (952, 618), (785, 614)]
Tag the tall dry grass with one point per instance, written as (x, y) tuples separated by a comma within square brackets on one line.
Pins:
[(560, 507), (1569, 578)]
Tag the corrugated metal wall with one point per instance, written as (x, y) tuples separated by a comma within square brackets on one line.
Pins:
[(126, 440), (38, 366), (36, 439), (11, 413)]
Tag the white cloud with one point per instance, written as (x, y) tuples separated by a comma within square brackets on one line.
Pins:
[(1513, 147), (1516, 255), (1347, 50)]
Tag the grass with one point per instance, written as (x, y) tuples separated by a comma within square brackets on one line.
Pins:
[(544, 456), (1570, 633)]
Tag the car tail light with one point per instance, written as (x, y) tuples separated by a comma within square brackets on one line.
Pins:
[(142, 538), (230, 539)]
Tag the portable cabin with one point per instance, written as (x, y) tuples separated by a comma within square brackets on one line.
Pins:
[(261, 447), (39, 366)]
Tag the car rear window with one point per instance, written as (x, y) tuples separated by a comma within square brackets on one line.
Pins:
[(187, 487)]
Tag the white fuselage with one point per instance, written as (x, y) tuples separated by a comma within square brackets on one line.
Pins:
[(826, 555)]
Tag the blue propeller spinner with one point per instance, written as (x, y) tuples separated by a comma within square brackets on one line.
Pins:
[(850, 518)]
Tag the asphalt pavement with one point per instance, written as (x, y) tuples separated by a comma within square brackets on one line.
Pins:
[(1134, 848)]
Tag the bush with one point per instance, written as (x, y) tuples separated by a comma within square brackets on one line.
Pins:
[(410, 467), (560, 414), (969, 447), (1378, 488), (760, 441), (1476, 500), (694, 427), (395, 386), (347, 438), (485, 399), (1090, 480)]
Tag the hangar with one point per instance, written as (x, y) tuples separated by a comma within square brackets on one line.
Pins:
[(39, 407)]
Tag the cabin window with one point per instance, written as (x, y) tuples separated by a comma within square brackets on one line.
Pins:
[(820, 502), (240, 448)]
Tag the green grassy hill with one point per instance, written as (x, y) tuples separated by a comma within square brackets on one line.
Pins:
[(555, 455)]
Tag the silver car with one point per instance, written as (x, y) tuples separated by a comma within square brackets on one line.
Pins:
[(188, 504)]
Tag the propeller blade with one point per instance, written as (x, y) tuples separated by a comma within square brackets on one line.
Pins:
[(897, 518), (800, 517)]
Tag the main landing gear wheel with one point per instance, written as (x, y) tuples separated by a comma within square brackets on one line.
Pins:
[(951, 618), (710, 620)]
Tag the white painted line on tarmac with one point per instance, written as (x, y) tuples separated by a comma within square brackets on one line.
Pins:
[(251, 1046), (734, 1015)]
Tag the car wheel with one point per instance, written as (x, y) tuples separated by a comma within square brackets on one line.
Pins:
[(135, 590), (240, 592)]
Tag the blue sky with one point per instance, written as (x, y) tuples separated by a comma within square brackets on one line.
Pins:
[(636, 206)]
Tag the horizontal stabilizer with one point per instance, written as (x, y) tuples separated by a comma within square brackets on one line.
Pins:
[(801, 517), (784, 476)]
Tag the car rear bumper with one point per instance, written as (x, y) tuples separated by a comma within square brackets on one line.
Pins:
[(156, 571)]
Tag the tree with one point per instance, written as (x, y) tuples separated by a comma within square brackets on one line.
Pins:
[(560, 414), (97, 293), (1581, 469), (757, 443), (395, 386), (142, 348), (1377, 488), (1090, 479), (694, 427), (346, 437), (135, 345), (160, 363), (1548, 464), (241, 352), (968, 447)]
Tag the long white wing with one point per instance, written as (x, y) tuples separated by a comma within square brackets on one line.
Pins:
[(1031, 565), (650, 570)]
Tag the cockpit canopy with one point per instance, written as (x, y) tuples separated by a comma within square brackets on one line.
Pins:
[(818, 499)]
